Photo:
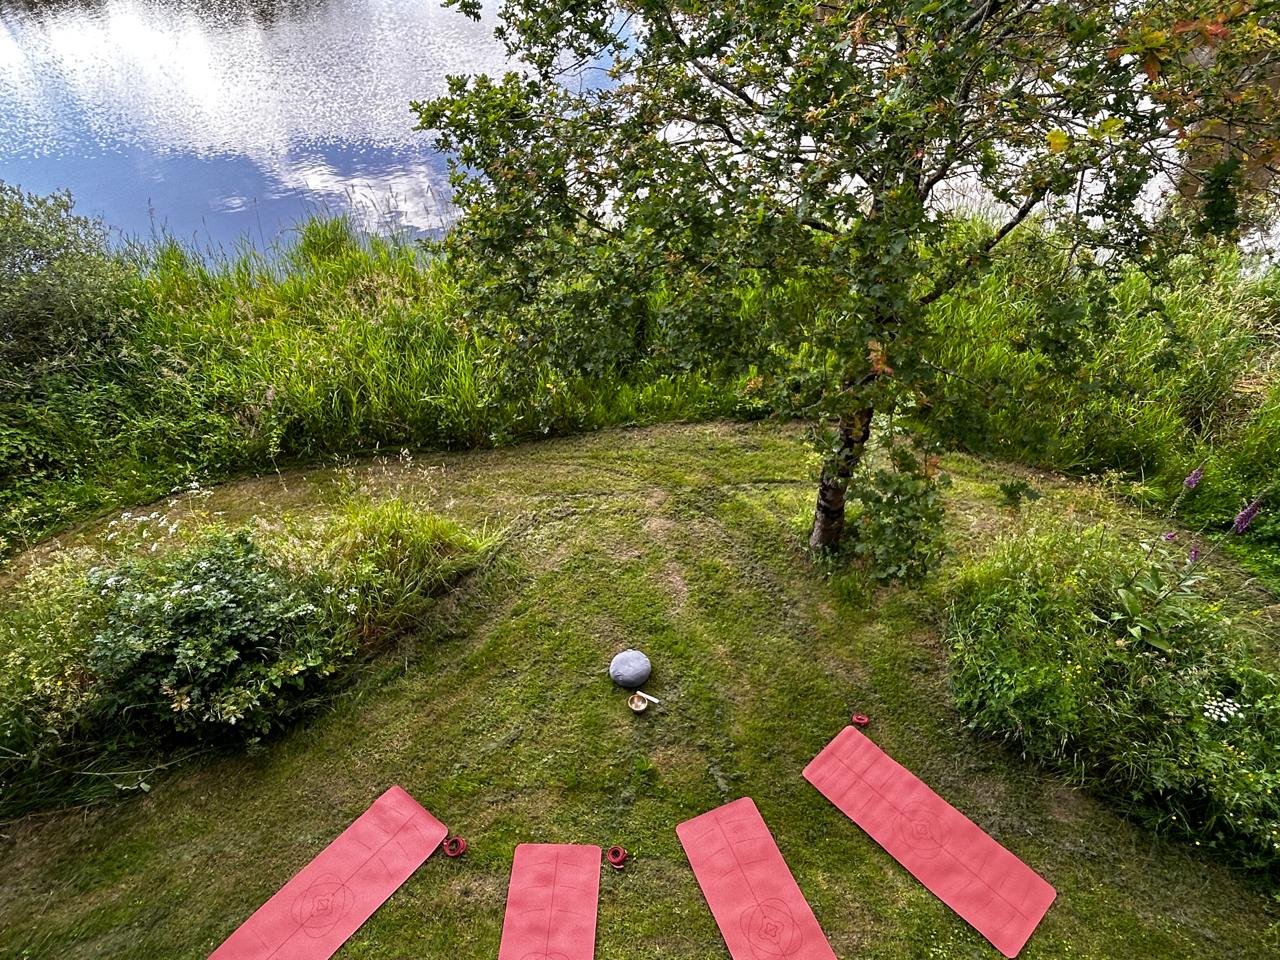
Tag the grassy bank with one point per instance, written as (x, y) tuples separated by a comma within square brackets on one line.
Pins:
[(337, 345), (333, 345), (502, 721)]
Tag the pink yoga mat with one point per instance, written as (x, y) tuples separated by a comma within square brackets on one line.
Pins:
[(313, 914), (987, 885), (761, 912), (551, 903)]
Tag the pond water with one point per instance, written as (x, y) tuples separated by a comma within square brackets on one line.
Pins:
[(226, 121)]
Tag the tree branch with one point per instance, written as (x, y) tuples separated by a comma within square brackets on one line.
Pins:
[(953, 277), (674, 31)]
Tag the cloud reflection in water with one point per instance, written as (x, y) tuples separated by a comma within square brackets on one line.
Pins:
[(231, 117)]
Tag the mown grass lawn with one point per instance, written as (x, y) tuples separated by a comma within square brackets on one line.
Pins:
[(682, 541)]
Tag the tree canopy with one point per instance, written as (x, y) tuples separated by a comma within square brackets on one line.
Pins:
[(653, 166)]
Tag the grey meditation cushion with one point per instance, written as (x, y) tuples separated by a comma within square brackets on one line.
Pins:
[(630, 669)]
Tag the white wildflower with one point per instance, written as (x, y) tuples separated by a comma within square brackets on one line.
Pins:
[(1222, 710)]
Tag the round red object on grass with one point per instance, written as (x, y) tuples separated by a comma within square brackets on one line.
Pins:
[(860, 719), (616, 856), (455, 847)]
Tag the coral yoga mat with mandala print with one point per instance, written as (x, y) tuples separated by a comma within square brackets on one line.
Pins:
[(994, 891), (552, 901), (313, 914), (761, 912)]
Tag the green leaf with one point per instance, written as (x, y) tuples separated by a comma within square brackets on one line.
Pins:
[(1159, 643)]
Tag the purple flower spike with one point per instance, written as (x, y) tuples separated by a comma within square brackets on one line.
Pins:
[(1194, 477), (1168, 537), (1246, 516), (1194, 555)]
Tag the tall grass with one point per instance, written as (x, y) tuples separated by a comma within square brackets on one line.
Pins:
[(1139, 378), (347, 344)]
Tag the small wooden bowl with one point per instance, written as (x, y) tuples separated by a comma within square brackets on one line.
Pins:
[(638, 703)]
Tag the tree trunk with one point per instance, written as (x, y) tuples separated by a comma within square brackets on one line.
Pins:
[(828, 515)]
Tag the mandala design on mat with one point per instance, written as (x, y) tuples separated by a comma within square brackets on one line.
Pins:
[(771, 929), (319, 907), (922, 830)]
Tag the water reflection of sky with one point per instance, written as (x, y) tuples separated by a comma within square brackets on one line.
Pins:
[(217, 120)]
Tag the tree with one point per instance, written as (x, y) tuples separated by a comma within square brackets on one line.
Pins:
[(1232, 163), (742, 184)]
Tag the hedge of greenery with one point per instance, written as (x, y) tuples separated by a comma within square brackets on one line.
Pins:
[(1101, 658), (176, 634)]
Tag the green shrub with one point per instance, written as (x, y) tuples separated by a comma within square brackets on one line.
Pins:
[(1101, 658), (167, 636), (898, 530), (212, 641), (62, 291), (104, 662)]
